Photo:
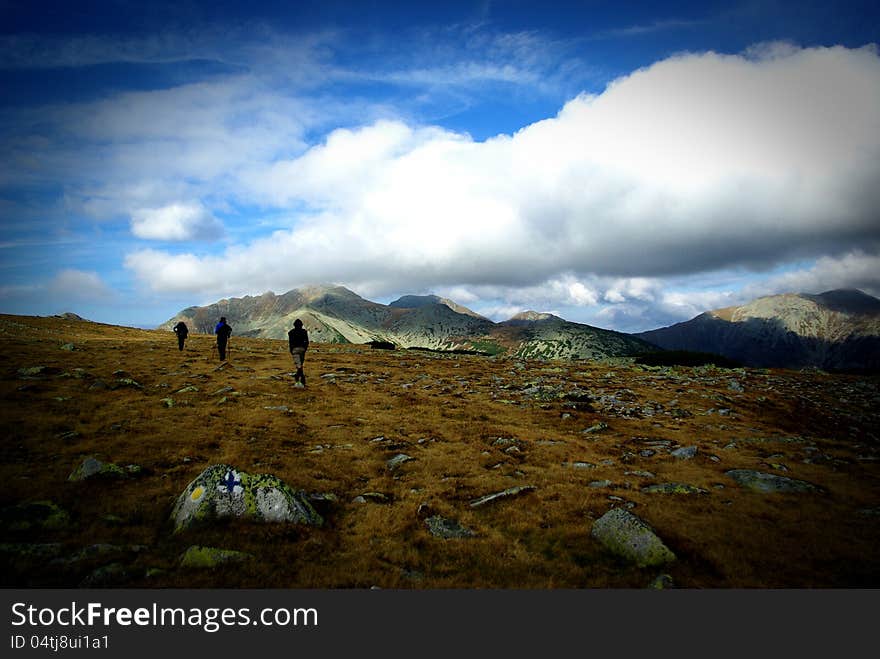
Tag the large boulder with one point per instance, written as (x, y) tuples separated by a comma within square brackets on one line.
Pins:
[(627, 536), (760, 482), (222, 491)]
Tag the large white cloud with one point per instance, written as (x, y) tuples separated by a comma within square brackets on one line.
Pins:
[(176, 222), (699, 162)]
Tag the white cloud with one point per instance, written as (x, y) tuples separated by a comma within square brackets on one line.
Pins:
[(699, 162), (176, 222), (78, 285), (856, 269)]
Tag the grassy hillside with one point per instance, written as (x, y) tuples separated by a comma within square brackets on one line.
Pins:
[(580, 437)]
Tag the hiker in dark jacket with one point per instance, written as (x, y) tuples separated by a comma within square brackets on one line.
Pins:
[(181, 330), (222, 331), (299, 343)]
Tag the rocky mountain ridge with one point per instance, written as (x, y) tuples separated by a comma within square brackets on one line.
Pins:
[(334, 314), (836, 330)]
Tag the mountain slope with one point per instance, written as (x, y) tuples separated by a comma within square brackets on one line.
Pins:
[(833, 330), (334, 314)]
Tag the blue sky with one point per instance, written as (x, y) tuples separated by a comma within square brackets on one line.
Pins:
[(626, 165)]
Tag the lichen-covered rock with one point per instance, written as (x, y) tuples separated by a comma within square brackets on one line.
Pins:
[(91, 467), (221, 491), (442, 527), (210, 557), (684, 453), (35, 371), (627, 536), (662, 582), (30, 515), (761, 482), (398, 460)]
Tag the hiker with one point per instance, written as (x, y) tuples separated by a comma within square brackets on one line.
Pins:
[(222, 331), (299, 343), (181, 330)]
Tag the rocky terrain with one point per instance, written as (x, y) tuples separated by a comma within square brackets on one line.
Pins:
[(834, 330), (127, 463), (334, 314)]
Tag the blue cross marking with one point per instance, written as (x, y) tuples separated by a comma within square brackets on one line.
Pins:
[(230, 482)]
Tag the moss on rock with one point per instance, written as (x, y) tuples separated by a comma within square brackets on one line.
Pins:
[(761, 482), (210, 557), (627, 536), (222, 491)]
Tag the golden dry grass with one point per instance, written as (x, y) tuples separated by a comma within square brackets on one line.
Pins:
[(446, 411)]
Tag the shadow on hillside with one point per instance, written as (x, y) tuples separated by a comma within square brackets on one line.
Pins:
[(760, 342)]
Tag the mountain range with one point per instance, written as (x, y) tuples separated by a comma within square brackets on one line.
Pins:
[(836, 330), (334, 314)]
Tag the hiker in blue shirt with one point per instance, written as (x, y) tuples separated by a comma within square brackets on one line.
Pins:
[(222, 331)]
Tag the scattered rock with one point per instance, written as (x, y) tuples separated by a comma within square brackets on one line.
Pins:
[(128, 382), (506, 441), (35, 371), (605, 483), (114, 574), (188, 390), (372, 497), (579, 465), (627, 536), (598, 427), (167, 402), (662, 582), (442, 527), (673, 488), (277, 408), (684, 453), (510, 492), (69, 347), (222, 491), (91, 467), (762, 482), (211, 557), (398, 460)]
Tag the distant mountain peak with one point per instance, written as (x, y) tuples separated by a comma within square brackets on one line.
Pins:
[(417, 301), (838, 329), (534, 316), (846, 300)]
